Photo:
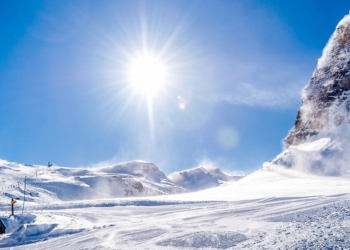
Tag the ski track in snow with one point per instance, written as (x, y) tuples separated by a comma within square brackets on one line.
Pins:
[(316, 222)]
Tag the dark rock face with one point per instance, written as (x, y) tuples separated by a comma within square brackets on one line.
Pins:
[(326, 102)]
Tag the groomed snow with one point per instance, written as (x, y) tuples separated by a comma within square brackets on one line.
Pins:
[(269, 209), (293, 202)]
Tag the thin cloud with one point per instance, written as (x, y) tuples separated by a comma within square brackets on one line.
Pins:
[(250, 95)]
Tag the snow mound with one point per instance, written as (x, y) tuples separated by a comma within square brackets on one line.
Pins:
[(30, 228), (194, 179), (324, 156), (201, 178), (12, 223), (143, 169), (221, 176)]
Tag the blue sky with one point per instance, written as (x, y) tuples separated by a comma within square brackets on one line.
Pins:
[(239, 67)]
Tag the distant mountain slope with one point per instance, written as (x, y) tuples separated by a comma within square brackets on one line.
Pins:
[(136, 178), (201, 178), (221, 176)]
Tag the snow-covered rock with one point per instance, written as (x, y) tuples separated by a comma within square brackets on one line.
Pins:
[(201, 178), (325, 109), (143, 169), (44, 185), (221, 176), (319, 143)]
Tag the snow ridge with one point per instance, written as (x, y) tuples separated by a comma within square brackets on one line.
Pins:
[(47, 185)]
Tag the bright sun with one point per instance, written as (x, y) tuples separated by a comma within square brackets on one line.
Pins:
[(147, 74)]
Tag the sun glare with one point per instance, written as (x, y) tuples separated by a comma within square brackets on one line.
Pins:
[(147, 74)]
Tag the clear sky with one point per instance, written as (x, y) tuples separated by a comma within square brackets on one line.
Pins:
[(230, 74)]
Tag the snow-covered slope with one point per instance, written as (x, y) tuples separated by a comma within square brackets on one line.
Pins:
[(143, 169), (201, 178), (44, 185), (270, 209), (324, 156), (221, 176)]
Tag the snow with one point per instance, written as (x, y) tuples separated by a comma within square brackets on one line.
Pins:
[(308, 222), (45, 185), (201, 178), (284, 205), (194, 179), (325, 99), (274, 207)]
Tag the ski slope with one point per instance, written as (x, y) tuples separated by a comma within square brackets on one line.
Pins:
[(296, 201), (269, 209)]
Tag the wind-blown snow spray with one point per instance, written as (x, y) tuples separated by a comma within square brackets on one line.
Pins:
[(319, 141), (326, 98)]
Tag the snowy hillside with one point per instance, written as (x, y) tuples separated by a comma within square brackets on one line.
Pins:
[(325, 156), (45, 185), (221, 176), (269, 209), (201, 178)]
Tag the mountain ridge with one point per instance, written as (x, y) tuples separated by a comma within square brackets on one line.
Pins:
[(128, 179)]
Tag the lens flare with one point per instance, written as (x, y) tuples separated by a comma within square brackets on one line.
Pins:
[(227, 137), (182, 103)]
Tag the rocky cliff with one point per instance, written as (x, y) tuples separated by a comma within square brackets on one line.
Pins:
[(325, 101)]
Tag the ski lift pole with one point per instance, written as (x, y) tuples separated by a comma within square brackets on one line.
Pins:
[(24, 192)]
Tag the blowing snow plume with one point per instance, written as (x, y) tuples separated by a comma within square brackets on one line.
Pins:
[(325, 102), (319, 141)]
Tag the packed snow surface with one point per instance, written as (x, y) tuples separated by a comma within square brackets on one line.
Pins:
[(284, 205), (270, 209)]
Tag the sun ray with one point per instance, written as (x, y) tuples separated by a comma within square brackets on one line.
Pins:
[(151, 120), (145, 69)]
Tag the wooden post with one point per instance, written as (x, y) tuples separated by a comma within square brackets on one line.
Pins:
[(12, 206)]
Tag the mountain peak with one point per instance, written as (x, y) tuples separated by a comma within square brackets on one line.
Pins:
[(325, 100), (343, 30), (200, 178)]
